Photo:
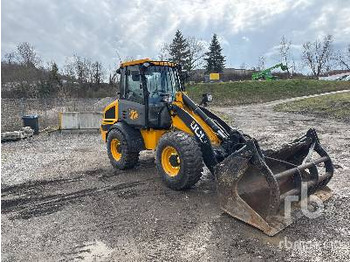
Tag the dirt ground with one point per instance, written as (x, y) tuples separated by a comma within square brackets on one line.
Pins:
[(62, 201)]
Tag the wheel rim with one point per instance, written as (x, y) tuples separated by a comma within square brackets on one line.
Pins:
[(170, 161), (115, 149)]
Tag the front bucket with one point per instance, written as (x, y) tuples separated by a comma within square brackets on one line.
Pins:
[(271, 189)]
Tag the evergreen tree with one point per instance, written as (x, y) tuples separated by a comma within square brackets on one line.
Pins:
[(215, 60), (54, 75), (51, 85), (179, 50)]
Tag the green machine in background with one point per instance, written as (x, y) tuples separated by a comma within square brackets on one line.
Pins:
[(266, 74)]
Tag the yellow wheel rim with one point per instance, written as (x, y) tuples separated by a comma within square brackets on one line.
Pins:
[(115, 149), (170, 161)]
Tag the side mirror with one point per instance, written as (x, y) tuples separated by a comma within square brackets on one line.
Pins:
[(118, 71), (205, 99)]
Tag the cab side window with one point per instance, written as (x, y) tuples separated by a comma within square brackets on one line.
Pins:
[(133, 88)]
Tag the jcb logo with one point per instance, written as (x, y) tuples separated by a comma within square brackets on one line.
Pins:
[(133, 114), (198, 132)]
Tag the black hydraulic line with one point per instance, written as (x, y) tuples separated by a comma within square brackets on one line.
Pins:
[(188, 102)]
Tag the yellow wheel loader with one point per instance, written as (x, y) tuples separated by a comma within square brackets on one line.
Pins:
[(264, 188)]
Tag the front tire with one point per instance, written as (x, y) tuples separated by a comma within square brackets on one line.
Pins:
[(119, 153), (179, 160)]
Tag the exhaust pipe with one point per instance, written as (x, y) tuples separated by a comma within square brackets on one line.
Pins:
[(269, 189)]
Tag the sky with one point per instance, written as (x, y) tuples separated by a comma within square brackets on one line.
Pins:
[(103, 30)]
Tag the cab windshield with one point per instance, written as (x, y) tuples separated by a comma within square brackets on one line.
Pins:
[(162, 80)]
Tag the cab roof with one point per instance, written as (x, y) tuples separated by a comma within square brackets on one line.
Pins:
[(144, 60)]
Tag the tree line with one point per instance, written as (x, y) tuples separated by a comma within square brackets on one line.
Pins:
[(317, 56), (25, 75)]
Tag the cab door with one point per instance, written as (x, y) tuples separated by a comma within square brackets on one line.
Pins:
[(157, 85), (132, 102)]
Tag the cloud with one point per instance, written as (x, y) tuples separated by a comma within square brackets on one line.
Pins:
[(101, 28)]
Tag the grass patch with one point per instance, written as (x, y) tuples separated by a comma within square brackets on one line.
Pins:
[(330, 106), (247, 92)]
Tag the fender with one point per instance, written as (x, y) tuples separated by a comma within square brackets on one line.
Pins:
[(133, 136)]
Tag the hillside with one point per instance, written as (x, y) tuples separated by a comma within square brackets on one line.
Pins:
[(246, 92), (335, 106)]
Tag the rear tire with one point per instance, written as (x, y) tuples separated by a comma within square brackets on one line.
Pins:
[(119, 152), (179, 160)]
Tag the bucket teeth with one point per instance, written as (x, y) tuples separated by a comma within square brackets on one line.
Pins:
[(259, 187)]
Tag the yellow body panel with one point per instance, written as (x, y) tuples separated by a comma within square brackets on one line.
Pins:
[(151, 137), (179, 124), (103, 134), (135, 62), (114, 103), (109, 121), (163, 63), (144, 60)]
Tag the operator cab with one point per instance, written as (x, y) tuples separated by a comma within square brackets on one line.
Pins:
[(162, 83), (146, 88)]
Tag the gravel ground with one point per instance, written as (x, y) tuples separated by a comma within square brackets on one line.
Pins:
[(62, 201)]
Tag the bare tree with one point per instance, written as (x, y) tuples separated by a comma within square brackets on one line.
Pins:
[(285, 52), (97, 72), (343, 58), (317, 55), (82, 69), (128, 58), (196, 54), (27, 55), (164, 52), (68, 69), (10, 58), (243, 66)]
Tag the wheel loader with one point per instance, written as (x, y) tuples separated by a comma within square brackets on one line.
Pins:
[(264, 188)]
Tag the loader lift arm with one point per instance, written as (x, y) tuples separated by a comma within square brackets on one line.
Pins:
[(231, 139)]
